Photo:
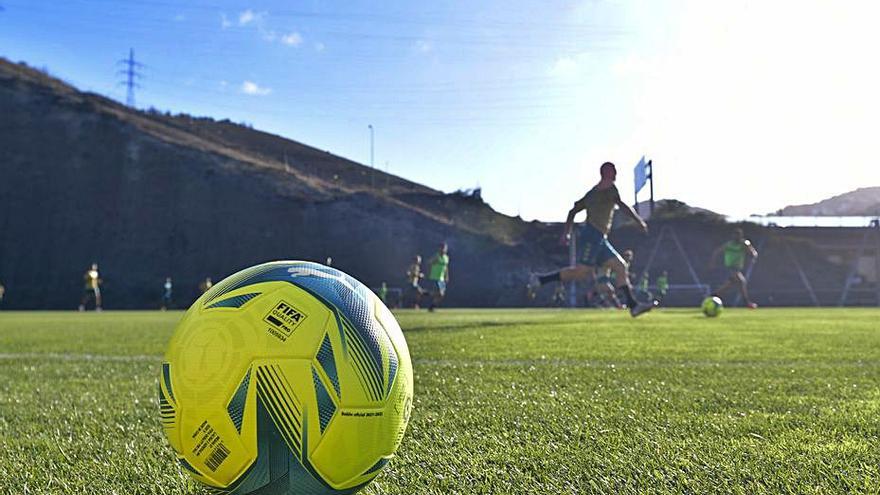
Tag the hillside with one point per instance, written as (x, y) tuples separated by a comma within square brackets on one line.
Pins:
[(864, 201), (672, 208), (149, 195)]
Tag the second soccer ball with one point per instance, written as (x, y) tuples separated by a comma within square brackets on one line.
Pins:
[(712, 306)]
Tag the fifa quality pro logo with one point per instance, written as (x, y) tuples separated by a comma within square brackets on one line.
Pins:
[(284, 319)]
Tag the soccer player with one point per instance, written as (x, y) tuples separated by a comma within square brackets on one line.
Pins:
[(599, 203), (643, 285), (205, 285), (383, 293), (91, 288), (628, 255), (559, 295), (663, 284), (2, 293), (414, 276), (166, 294), (734, 254), (438, 275), (605, 288)]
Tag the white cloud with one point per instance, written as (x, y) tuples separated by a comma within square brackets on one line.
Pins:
[(225, 22), (252, 88), (292, 39), (319, 47), (570, 66), (634, 65), (564, 67), (423, 46), (179, 18), (249, 16)]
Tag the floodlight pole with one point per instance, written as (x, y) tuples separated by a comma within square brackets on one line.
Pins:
[(372, 163)]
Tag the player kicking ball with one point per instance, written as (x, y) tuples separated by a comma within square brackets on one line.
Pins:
[(735, 251), (599, 203)]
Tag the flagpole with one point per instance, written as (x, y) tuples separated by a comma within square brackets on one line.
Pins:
[(651, 166)]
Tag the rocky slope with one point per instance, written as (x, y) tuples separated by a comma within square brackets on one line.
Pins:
[(864, 201)]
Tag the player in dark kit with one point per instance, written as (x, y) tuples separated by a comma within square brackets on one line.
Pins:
[(167, 288), (599, 203), (735, 252), (91, 288), (414, 278)]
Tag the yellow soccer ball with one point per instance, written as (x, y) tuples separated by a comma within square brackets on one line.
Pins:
[(712, 306), (287, 377)]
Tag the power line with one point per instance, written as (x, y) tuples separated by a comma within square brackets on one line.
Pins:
[(419, 18), (130, 72), (473, 33)]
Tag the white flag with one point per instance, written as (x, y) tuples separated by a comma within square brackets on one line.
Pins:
[(641, 174)]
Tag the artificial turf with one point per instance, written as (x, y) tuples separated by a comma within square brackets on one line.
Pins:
[(506, 401)]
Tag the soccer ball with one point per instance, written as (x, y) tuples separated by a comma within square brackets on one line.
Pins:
[(712, 306), (287, 377)]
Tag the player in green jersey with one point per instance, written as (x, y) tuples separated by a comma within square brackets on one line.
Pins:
[(734, 253), (438, 275), (599, 203), (383, 293), (643, 287), (663, 285)]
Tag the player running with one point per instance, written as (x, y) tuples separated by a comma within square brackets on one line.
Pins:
[(166, 293), (734, 253), (599, 204), (438, 275), (91, 288), (414, 278)]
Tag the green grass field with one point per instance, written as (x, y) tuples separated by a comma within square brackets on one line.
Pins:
[(507, 401)]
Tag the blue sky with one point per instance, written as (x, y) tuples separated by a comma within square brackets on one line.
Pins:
[(742, 106)]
